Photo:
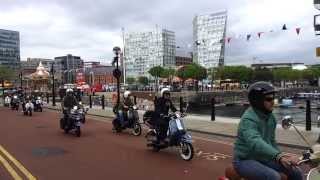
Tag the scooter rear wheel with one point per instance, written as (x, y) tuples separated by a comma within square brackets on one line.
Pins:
[(78, 131)]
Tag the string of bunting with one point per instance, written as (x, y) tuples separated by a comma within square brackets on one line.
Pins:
[(259, 34)]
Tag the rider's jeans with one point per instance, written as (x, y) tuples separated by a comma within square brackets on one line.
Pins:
[(253, 170), (121, 117)]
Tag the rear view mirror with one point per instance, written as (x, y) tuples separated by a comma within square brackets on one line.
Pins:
[(286, 122)]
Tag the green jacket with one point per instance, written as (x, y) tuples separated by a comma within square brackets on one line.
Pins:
[(256, 137)]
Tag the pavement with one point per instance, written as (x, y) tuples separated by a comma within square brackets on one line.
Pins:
[(225, 126)]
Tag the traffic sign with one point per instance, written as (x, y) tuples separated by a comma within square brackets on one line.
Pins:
[(318, 51)]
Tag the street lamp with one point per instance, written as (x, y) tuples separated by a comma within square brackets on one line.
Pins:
[(117, 72), (20, 76), (53, 88)]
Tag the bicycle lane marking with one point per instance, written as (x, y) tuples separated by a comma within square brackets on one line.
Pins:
[(17, 164)]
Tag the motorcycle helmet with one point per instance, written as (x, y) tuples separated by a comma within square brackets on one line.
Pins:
[(257, 93), (69, 91), (165, 91), (126, 94)]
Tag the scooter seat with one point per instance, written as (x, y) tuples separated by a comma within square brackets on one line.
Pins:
[(232, 174)]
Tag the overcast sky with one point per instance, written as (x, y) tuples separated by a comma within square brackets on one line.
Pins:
[(91, 29)]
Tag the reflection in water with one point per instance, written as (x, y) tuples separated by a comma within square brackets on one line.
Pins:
[(236, 111)]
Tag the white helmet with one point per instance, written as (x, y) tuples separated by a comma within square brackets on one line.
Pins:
[(69, 90), (126, 94), (165, 90)]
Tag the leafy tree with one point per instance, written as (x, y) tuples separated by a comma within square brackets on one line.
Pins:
[(193, 71), (6, 73), (143, 80), (262, 75), (156, 72), (131, 80)]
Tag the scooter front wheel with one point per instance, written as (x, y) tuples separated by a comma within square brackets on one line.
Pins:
[(186, 151), (136, 129)]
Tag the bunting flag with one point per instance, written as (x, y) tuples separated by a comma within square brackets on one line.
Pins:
[(248, 37), (284, 27), (259, 34), (298, 30), (228, 39)]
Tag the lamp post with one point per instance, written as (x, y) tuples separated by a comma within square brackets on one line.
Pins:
[(20, 76), (53, 88), (117, 72)]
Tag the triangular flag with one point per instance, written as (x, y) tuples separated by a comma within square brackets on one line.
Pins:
[(259, 34), (284, 27), (229, 39), (298, 30), (248, 37), (271, 30)]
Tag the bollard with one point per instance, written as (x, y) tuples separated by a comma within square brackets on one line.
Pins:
[(90, 101), (181, 105), (213, 110), (308, 116), (155, 101), (135, 99), (47, 98), (102, 101)]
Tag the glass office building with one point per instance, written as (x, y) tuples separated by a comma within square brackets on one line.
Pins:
[(209, 32), (144, 50), (10, 48)]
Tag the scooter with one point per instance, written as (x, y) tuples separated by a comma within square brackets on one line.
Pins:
[(15, 103), (132, 122), (38, 105), (73, 121), (177, 136), (28, 108), (310, 157)]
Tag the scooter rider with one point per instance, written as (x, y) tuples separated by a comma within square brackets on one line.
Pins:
[(256, 154), (124, 107), (162, 107), (68, 102)]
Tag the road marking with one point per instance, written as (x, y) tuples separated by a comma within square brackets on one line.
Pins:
[(210, 140), (17, 164), (10, 169)]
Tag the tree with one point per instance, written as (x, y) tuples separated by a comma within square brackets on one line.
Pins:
[(6, 74), (193, 71), (262, 75), (168, 73), (156, 72), (131, 80), (143, 80)]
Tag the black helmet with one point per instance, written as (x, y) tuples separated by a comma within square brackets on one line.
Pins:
[(257, 93)]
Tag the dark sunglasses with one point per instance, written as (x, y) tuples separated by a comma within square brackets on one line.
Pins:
[(269, 99)]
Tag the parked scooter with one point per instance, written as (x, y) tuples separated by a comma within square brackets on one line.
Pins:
[(310, 157), (132, 122), (176, 136), (72, 120)]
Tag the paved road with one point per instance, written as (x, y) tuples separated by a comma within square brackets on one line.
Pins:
[(47, 153)]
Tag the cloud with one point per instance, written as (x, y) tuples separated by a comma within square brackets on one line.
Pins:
[(91, 28)]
